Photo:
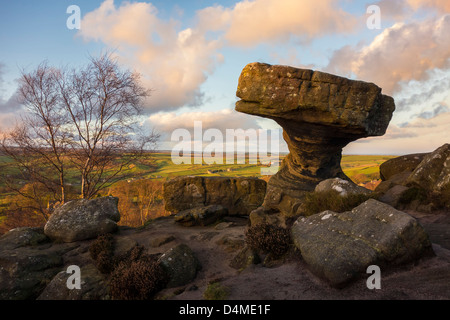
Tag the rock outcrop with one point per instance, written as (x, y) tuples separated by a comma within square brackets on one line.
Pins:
[(239, 195), (27, 262), (340, 246), (201, 216), (418, 181), (433, 172), (83, 219), (320, 114), (406, 163)]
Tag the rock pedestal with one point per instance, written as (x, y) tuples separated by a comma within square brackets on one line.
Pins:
[(320, 114)]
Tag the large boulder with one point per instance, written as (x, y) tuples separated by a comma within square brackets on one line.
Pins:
[(83, 219), (433, 172), (238, 194), (406, 163), (340, 246), (320, 114)]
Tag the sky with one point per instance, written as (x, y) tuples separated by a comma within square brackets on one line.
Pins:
[(190, 54)]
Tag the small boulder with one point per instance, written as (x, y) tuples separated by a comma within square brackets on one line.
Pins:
[(343, 187), (245, 258), (83, 219), (340, 246), (93, 286), (201, 216), (180, 264)]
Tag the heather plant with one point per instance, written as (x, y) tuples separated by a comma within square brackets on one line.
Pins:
[(268, 239)]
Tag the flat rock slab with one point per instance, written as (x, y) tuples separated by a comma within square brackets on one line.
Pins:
[(340, 246)]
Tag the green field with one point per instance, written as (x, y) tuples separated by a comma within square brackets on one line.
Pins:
[(162, 167), (165, 168)]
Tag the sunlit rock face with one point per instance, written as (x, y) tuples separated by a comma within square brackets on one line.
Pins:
[(320, 114)]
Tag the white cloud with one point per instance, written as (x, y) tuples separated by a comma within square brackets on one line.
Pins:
[(399, 54), (250, 23), (442, 6), (174, 63), (167, 122)]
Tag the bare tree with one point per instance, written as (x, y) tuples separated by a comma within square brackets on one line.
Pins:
[(103, 104), (85, 119), (37, 145)]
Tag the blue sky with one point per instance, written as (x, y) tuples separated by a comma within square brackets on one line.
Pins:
[(192, 52)]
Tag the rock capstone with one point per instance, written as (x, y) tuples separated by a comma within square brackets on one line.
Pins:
[(320, 114)]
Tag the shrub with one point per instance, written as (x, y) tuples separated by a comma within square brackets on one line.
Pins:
[(216, 291), (268, 239), (102, 251), (316, 202), (140, 279)]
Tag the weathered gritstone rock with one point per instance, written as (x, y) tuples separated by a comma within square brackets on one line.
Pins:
[(28, 261), (181, 265), (83, 219), (320, 114), (340, 246), (406, 163), (343, 187), (93, 286), (238, 194), (433, 173), (201, 216)]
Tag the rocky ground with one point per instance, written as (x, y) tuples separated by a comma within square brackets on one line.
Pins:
[(427, 279), (215, 247)]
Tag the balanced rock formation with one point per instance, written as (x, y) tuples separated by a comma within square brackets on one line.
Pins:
[(83, 219), (340, 246), (320, 114), (238, 194)]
